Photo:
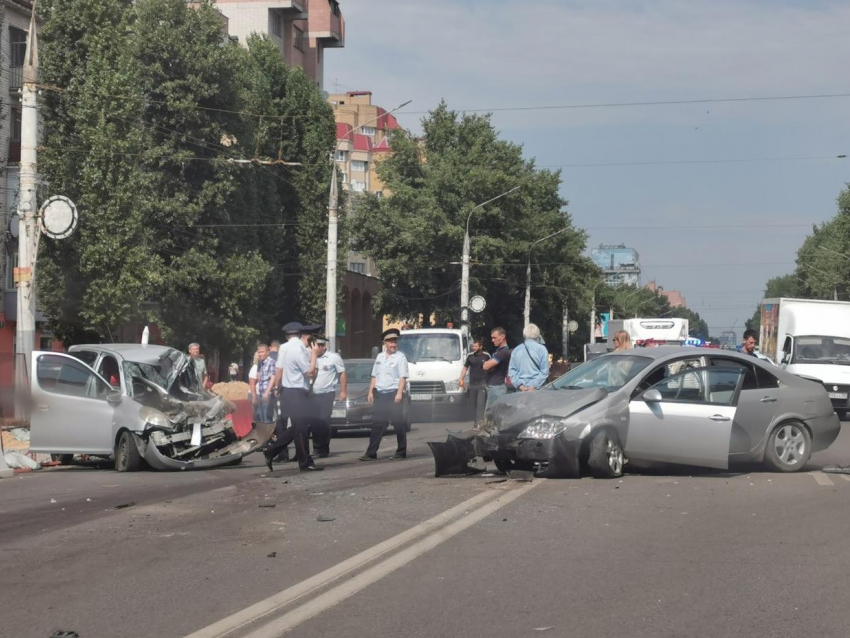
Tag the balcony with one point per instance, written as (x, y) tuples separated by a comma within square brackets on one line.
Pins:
[(326, 23), (16, 79)]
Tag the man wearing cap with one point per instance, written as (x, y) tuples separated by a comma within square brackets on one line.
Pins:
[(386, 393), (296, 366), (330, 377)]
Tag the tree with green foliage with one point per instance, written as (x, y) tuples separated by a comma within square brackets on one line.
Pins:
[(823, 261), (415, 235), (150, 103)]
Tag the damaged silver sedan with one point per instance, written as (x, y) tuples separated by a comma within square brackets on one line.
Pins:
[(673, 405), (136, 404)]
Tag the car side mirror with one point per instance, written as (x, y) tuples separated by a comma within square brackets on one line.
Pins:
[(652, 396), (113, 398), (786, 357)]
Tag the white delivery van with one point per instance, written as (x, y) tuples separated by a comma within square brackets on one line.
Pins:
[(435, 357), (810, 338)]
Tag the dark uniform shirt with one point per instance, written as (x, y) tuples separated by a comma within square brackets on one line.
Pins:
[(475, 364)]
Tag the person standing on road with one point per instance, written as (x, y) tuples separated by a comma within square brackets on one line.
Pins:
[(748, 345), (293, 377), (260, 380), (497, 366), (330, 377), (274, 348), (529, 367), (386, 394), (200, 364), (474, 365)]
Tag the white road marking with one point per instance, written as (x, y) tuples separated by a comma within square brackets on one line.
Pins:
[(822, 479), (845, 477), (290, 620), (305, 587)]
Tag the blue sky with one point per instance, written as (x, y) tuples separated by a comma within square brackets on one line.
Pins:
[(479, 54)]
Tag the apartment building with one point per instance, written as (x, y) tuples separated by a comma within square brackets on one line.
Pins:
[(302, 29), (362, 131), (620, 264)]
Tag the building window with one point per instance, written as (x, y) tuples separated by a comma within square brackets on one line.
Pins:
[(369, 130), (344, 176), (357, 266), (297, 38), (275, 24), (11, 264), (341, 156), (359, 165), (379, 194), (15, 137), (357, 186)]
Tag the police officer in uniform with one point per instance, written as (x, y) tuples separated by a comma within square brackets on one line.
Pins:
[(386, 394), (293, 376), (330, 377)]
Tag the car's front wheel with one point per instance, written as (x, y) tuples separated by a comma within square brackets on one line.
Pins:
[(789, 446), (127, 457), (606, 458)]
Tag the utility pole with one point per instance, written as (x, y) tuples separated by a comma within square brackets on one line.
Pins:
[(565, 332), (333, 234), (527, 313), (27, 211)]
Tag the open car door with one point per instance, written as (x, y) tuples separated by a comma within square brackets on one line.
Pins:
[(70, 413), (686, 418)]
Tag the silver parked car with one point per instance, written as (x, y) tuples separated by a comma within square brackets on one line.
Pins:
[(675, 405), (133, 403)]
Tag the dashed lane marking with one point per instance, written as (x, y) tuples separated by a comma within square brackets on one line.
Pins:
[(822, 479), (272, 604)]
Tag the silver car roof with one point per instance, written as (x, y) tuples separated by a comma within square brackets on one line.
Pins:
[(137, 352)]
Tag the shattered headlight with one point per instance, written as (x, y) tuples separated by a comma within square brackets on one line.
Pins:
[(452, 386), (544, 428), (154, 417)]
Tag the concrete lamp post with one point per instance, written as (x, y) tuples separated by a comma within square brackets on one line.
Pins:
[(527, 313), (464, 278)]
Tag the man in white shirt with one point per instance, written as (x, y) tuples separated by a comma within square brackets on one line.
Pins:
[(386, 393), (296, 366), (330, 377)]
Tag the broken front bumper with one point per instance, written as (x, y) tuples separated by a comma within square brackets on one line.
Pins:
[(258, 436), (558, 457)]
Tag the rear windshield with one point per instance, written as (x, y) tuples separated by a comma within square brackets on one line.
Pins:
[(430, 347)]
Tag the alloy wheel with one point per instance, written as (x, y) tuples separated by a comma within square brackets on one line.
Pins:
[(615, 457), (790, 445)]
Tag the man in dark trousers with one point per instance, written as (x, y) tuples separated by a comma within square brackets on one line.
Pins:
[(330, 377), (293, 376), (474, 365), (386, 394)]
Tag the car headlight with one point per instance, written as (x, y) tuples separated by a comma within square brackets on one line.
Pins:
[(452, 386), (154, 417), (544, 428)]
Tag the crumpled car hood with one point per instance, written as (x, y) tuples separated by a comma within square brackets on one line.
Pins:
[(514, 411)]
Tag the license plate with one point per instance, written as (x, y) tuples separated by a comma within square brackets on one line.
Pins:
[(837, 395), (338, 414), (420, 397)]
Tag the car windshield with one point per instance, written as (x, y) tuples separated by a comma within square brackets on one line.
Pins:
[(820, 349), (359, 372), (430, 347), (610, 372), (162, 373)]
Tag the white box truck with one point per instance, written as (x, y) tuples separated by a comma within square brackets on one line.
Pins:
[(810, 338), (659, 331), (435, 357)]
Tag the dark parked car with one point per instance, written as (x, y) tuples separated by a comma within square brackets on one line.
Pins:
[(355, 413)]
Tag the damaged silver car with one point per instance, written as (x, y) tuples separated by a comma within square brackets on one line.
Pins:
[(673, 405), (136, 404)]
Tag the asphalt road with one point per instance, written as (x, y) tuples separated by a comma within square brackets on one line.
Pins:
[(401, 553)]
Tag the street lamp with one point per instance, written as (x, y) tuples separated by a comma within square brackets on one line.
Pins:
[(464, 278), (527, 314), (333, 232)]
